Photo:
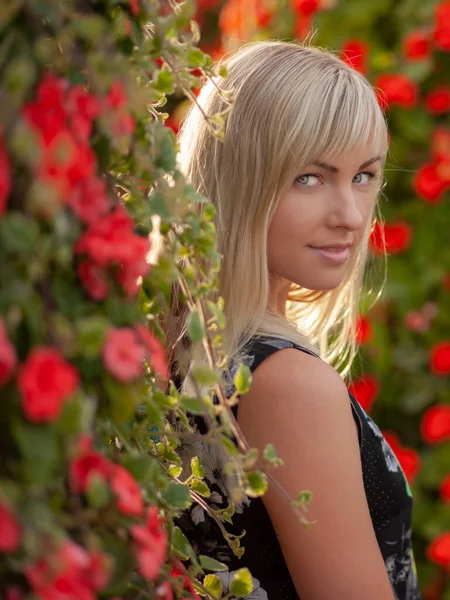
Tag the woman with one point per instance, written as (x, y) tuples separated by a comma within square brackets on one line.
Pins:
[(295, 183)]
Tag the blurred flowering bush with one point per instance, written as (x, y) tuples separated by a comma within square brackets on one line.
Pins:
[(89, 475)]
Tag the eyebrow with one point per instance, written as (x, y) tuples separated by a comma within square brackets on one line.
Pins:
[(333, 169)]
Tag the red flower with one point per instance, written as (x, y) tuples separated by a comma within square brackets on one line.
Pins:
[(440, 358), (355, 52), (127, 491), (407, 457), (427, 183), (395, 237), (8, 357), (98, 573), (82, 109), (438, 551), (89, 200), (438, 101), (305, 7), (108, 239), (5, 177), (441, 37), (363, 330), (416, 45), (69, 572), (157, 355), (93, 279), (442, 11), (13, 593), (151, 544), (87, 463), (264, 17), (10, 530), (45, 381), (435, 424), (441, 143), (134, 7), (365, 390), (116, 97), (444, 489), (123, 354), (416, 321), (396, 89)]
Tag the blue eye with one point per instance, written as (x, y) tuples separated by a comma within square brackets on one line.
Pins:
[(369, 177), (305, 180)]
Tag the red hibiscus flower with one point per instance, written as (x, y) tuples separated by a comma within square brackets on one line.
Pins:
[(10, 530), (8, 357), (444, 489), (93, 279), (427, 183), (71, 571), (128, 493), (363, 330), (417, 45), (438, 101), (407, 457), (157, 355), (151, 544), (440, 358), (396, 89), (438, 551), (305, 7), (355, 52), (123, 354), (365, 390), (394, 237), (441, 37), (435, 424), (89, 200), (45, 381), (87, 463), (440, 144), (5, 177)]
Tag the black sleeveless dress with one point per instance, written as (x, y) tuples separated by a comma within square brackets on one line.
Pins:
[(387, 491)]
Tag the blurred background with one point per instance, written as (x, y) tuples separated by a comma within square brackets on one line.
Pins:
[(401, 375)]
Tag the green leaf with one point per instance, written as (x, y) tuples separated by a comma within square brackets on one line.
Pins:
[(40, 449), (213, 584), (175, 470), (257, 484), (241, 583), (194, 327), (205, 376), (304, 497), (200, 487), (195, 57), (91, 334), (17, 233), (270, 454), (243, 379), (164, 82), (97, 491), (182, 545), (230, 446), (192, 405), (177, 495), (210, 564), (197, 468)]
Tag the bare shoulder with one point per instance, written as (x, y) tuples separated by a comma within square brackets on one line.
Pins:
[(301, 405), (292, 373)]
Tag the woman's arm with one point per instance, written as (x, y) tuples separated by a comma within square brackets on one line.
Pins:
[(301, 405)]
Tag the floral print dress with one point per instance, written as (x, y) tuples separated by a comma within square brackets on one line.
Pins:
[(387, 491)]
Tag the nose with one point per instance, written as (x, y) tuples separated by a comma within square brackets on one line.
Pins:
[(347, 209)]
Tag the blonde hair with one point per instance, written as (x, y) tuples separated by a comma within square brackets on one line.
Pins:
[(293, 104)]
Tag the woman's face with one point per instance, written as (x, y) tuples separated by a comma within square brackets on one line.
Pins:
[(320, 220)]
